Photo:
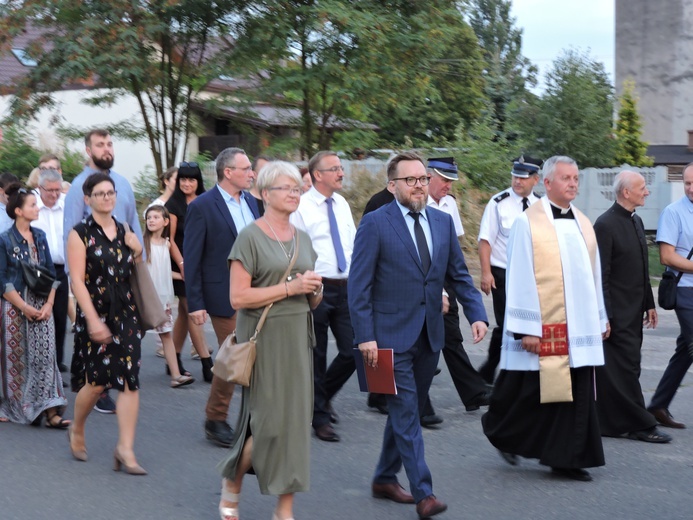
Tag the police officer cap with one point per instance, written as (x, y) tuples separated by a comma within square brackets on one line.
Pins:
[(524, 166), (444, 166)]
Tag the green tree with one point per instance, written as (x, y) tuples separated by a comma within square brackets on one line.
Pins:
[(575, 115), (340, 62), (161, 52), (630, 148), (17, 155), (453, 95), (507, 72), (484, 156)]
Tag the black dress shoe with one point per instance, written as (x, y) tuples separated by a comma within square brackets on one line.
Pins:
[(428, 421), (379, 402), (392, 491), (430, 506), (510, 458), (479, 401), (650, 435), (219, 432), (437, 371), (572, 474), (665, 418), (325, 432)]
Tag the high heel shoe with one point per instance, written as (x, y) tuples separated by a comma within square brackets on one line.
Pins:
[(275, 516), (130, 470), (207, 365), (78, 454), (228, 513)]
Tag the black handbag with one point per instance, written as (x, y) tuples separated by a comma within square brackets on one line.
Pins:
[(37, 278), (666, 294)]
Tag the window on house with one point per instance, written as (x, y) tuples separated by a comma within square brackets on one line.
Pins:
[(24, 58)]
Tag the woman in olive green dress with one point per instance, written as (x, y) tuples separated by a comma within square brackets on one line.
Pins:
[(272, 436)]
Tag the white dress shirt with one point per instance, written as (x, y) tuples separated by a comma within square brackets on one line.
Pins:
[(448, 204), (499, 216), (311, 217), (50, 221)]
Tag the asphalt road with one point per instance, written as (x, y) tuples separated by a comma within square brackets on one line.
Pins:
[(40, 480)]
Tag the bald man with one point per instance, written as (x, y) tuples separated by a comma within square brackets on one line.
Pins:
[(629, 304)]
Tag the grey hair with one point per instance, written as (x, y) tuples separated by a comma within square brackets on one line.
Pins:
[(224, 160), (549, 168), (275, 169), (624, 180), (49, 176)]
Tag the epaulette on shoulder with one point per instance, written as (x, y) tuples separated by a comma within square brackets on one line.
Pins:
[(451, 195), (536, 194), (501, 196)]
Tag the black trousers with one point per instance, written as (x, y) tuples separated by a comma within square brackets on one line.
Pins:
[(468, 382), (62, 297), (331, 314), (488, 369)]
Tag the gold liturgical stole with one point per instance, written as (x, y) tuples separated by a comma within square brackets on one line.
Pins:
[(554, 361)]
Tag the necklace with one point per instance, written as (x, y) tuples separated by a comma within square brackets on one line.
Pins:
[(290, 253)]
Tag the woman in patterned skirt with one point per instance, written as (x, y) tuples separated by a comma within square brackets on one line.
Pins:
[(31, 382), (107, 331)]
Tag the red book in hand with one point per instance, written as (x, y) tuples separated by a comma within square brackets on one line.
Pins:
[(379, 380)]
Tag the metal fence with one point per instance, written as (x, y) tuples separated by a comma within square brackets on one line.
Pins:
[(596, 193)]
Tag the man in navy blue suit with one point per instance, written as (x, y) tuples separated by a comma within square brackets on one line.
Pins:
[(403, 252), (212, 224)]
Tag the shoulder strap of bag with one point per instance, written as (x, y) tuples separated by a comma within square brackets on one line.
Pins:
[(263, 317), (678, 276)]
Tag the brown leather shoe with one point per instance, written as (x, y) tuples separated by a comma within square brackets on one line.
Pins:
[(393, 491), (326, 433), (430, 506), (665, 418)]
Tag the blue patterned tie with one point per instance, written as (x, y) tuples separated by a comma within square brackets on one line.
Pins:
[(334, 233), (421, 244)]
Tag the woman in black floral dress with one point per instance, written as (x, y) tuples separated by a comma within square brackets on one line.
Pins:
[(107, 331)]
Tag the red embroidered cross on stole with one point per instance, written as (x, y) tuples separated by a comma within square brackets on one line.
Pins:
[(554, 364), (555, 385)]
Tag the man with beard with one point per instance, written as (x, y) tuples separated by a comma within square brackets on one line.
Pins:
[(403, 253), (99, 148), (627, 298)]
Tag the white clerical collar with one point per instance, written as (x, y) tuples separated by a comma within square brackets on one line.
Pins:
[(562, 210)]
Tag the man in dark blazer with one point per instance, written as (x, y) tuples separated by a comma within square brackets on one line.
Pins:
[(403, 252), (212, 224)]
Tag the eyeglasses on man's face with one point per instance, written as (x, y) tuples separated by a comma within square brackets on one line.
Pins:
[(334, 169), (411, 181), (104, 194), (52, 192), (247, 170), (293, 190)]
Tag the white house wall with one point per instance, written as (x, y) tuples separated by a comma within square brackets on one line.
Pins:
[(131, 158)]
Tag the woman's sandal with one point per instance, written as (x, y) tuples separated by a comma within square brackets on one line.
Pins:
[(229, 513), (181, 380), (60, 425)]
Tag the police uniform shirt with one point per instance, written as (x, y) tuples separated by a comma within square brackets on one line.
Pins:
[(448, 204), (499, 216)]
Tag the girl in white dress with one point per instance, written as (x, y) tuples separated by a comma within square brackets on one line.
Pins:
[(157, 245)]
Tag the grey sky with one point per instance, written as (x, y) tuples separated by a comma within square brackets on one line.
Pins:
[(553, 25)]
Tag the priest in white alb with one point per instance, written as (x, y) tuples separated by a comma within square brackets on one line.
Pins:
[(543, 403)]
